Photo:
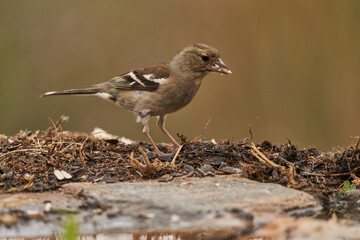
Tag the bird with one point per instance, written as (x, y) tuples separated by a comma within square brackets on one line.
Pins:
[(159, 89)]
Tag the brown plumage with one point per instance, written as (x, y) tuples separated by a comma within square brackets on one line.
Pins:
[(160, 89)]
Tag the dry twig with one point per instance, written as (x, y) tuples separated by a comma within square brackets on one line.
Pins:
[(176, 154), (263, 159)]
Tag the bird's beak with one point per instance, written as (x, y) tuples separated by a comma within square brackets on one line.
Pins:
[(219, 66)]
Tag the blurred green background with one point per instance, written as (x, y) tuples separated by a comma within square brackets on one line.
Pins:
[(296, 65)]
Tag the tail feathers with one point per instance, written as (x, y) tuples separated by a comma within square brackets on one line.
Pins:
[(85, 91)]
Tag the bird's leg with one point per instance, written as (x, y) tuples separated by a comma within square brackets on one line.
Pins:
[(144, 118), (157, 151), (161, 124)]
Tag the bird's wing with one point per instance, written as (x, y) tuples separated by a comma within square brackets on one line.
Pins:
[(144, 79)]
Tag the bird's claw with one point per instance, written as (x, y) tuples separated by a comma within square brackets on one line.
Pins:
[(170, 146)]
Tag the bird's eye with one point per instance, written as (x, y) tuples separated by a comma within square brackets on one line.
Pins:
[(205, 58)]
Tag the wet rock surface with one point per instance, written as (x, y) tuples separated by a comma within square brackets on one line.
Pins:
[(221, 202)]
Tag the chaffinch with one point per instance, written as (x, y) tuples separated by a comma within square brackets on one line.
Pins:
[(160, 89)]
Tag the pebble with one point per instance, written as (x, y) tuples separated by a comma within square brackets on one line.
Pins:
[(275, 174), (150, 155), (230, 170), (166, 158), (216, 161), (59, 175), (66, 175), (210, 174), (165, 178), (353, 194), (9, 175), (207, 168), (199, 172), (188, 168), (176, 174)]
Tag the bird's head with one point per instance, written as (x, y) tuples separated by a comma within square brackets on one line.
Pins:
[(200, 58)]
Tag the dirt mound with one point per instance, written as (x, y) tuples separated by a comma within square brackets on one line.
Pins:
[(28, 162)]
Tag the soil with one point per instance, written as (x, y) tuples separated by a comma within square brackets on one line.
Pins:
[(28, 161)]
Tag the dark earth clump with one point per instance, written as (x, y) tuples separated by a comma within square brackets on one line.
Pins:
[(28, 161)]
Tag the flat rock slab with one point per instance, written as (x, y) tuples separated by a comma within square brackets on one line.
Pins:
[(221, 202), (199, 197)]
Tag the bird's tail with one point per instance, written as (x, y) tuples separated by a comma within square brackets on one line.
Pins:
[(84, 91)]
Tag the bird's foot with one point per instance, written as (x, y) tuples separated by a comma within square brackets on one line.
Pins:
[(159, 153), (156, 152), (170, 146)]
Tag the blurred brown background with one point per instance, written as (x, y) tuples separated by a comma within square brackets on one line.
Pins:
[(296, 65)]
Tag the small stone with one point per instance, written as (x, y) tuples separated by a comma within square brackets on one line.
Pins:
[(199, 172), (188, 168), (9, 175), (210, 174), (216, 161), (353, 194), (166, 158), (230, 170), (150, 155), (275, 174), (165, 178), (66, 175), (207, 168), (58, 174), (176, 174)]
